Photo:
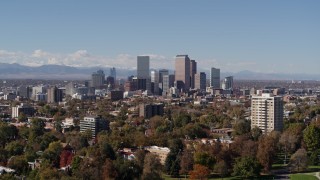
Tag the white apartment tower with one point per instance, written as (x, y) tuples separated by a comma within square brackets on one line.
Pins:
[(267, 112), (215, 78)]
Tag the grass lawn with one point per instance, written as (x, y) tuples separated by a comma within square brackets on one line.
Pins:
[(302, 176)]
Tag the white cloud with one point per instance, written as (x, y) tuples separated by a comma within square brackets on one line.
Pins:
[(40, 54), (83, 58)]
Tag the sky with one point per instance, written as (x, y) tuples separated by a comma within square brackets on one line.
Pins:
[(272, 36)]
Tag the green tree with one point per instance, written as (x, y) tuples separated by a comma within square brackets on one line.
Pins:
[(15, 148), (172, 163), (221, 168), (241, 127), (19, 164), (246, 167), (52, 153), (311, 136), (182, 120), (7, 133), (106, 151), (36, 129), (256, 133)]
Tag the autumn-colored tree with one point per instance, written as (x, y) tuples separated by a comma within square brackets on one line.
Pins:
[(299, 160), (65, 158), (152, 167), (288, 142), (186, 162), (199, 172), (109, 171), (267, 149)]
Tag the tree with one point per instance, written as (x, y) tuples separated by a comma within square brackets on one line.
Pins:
[(75, 163), (267, 149), (22, 117), (65, 158), (109, 171), (241, 127), (199, 172), (172, 163), (186, 162), (52, 153), (299, 160), (221, 167), (203, 158), (256, 133), (311, 136), (19, 164), (182, 120), (106, 151), (7, 133), (246, 167), (288, 142), (127, 169), (152, 167), (14, 148), (36, 129)]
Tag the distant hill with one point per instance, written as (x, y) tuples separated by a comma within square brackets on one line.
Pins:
[(17, 71)]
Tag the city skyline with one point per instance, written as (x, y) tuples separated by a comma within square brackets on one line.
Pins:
[(270, 36)]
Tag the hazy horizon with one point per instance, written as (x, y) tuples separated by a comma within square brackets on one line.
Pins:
[(260, 36)]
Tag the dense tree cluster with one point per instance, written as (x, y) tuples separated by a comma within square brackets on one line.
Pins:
[(195, 151)]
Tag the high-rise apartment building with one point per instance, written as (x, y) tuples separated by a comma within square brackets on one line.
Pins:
[(143, 64), (150, 110), (97, 79), (215, 78), (193, 72), (22, 108), (94, 124), (182, 73), (200, 81), (267, 112)]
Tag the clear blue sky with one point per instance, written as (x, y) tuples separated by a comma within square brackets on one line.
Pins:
[(270, 35)]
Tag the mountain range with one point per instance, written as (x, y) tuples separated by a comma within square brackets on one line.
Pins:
[(18, 71)]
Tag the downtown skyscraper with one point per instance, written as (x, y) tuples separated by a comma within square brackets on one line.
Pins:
[(182, 73), (215, 78), (143, 67)]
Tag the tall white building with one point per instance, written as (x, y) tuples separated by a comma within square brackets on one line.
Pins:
[(143, 65), (267, 112), (215, 78)]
